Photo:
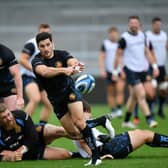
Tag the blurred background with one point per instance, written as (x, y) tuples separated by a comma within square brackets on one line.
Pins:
[(78, 26)]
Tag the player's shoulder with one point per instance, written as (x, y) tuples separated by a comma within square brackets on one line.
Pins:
[(6, 53), (148, 32), (19, 114), (163, 33), (32, 40), (60, 52)]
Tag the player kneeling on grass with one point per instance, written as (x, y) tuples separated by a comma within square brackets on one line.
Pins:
[(21, 140), (121, 145)]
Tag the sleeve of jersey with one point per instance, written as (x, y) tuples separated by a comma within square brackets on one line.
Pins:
[(35, 62), (10, 58), (122, 43), (30, 134), (102, 48), (150, 46), (29, 49), (66, 56)]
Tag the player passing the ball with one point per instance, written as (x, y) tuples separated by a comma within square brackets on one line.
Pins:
[(53, 69)]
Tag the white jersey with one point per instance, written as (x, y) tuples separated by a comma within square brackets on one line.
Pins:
[(110, 51), (134, 52), (35, 51), (159, 42), (82, 152)]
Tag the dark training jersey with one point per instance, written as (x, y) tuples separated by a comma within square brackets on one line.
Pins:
[(56, 85), (24, 134), (7, 59)]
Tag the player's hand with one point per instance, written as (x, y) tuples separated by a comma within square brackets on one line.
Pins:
[(155, 72), (11, 156), (69, 71), (20, 102), (79, 67)]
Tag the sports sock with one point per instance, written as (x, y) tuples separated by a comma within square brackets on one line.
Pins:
[(159, 141), (42, 122), (136, 111), (96, 122), (127, 116), (151, 104), (161, 101), (149, 118), (90, 140)]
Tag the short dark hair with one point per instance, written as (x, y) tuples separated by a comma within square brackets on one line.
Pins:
[(156, 19), (112, 29), (43, 36), (134, 17)]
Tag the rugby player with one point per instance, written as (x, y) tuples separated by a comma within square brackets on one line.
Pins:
[(114, 89), (158, 39), (136, 55), (34, 93), (11, 91), (53, 69)]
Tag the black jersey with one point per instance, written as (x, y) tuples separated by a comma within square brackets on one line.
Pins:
[(7, 59), (24, 134), (58, 84)]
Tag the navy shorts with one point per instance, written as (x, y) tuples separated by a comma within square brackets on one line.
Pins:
[(38, 152), (30, 79), (60, 102), (119, 147), (134, 78), (162, 73), (109, 80)]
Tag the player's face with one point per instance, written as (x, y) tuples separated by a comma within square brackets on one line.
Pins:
[(114, 36), (46, 48), (134, 26), (156, 26), (7, 119)]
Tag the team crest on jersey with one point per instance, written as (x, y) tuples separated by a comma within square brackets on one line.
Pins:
[(13, 90), (58, 64), (72, 96)]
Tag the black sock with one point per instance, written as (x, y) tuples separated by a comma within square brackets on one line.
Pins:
[(161, 101), (96, 122), (149, 118), (159, 141), (42, 122), (127, 116), (150, 104), (136, 111), (119, 106), (76, 155), (90, 140)]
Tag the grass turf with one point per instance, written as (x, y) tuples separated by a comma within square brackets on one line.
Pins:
[(143, 157)]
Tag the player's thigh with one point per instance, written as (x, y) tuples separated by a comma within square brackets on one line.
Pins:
[(51, 132), (110, 89), (69, 126), (53, 153), (10, 102), (139, 90), (149, 89), (32, 92), (76, 112), (140, 137), (120, 85), (44, 99)]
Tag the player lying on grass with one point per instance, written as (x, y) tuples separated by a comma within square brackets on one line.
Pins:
[(121, 145), (21, 140)]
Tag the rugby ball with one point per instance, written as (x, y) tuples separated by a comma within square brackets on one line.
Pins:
[(85, 83)]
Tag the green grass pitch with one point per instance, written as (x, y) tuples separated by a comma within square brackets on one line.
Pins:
[(143, 157)]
